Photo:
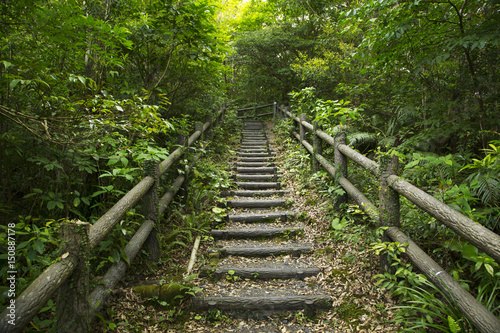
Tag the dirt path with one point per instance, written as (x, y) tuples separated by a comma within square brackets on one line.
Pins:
[(340, 267)]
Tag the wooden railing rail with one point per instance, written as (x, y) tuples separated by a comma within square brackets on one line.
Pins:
[(37, 294), (255, 108), (481, 237)]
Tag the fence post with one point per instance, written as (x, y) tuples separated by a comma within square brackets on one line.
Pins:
[(317, 146), (340, 168), (302, 117), (209, 131), (198, 126), (73, 304), (151, 208), (274, 111), (389, 202)]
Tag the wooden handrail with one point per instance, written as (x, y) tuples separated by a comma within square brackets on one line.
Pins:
[(37, 294), (475, 233)]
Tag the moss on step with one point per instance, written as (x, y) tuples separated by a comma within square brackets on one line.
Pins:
[(166, 292)]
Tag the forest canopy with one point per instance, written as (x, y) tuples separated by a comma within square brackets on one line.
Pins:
[(90, 89)]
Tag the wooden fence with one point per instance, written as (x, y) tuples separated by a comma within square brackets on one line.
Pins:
[(69, 275), (254, 114), (391, 186)]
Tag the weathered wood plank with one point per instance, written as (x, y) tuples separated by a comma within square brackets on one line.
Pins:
[(255, 203), (263, 273), (270, 216), (253, 232), (295, 251), (284, 303)]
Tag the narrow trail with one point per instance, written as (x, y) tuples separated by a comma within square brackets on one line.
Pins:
[(274, 265), (271, 267)]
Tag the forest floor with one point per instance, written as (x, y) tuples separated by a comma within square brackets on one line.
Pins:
[(347, 265)]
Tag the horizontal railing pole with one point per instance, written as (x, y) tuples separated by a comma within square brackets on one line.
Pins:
[(475, 233), (118, 269), (483, 238), (361, 200), (100, 229), (170, 194), (471, 308), (323, 161), (255, 107), (360, 159), (38, 293)]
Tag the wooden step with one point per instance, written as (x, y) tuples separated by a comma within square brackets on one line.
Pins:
[(259, 170), (263, 273), (255, 203), (255, 150), (253, 233), (261, 217), (295, 251), (253, 164), (255, 159), (251, 193), (272, 304), (258, 185), (257, 178), (266, 148), (255, 145)]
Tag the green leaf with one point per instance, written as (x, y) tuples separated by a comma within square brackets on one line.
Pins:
[(489, 269), (469, 252), (454, 328), (39, 246), (14, 83), (6, 64), (51, 205)]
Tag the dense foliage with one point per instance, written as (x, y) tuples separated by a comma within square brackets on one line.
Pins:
[(419, 79), (90, 89)]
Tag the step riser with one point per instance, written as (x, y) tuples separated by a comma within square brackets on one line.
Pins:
[(261, 273), (255, 203), (255, 159), (254, 165), (252, 218), (275, 304), (257, 178), (254, 233), (256, 154), (250, 193), (259, 186), (262, 252), (261, 170)]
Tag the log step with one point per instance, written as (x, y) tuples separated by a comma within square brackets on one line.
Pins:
[(255, 203), (255, 159), (253, 233), (255, 150), (263, 273), (255, 154), (261, 170), (253, 164), (251, 193), (257, 178), (261, 217), (295, 251), (253, 142), (274, 304), (258, 185)]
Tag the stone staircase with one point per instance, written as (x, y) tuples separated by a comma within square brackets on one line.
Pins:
[(259, 265)]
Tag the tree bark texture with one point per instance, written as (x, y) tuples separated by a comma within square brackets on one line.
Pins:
[(285, 303), (271, 216), (253, 232), (295, 251), (262, 273), (72, 307)]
